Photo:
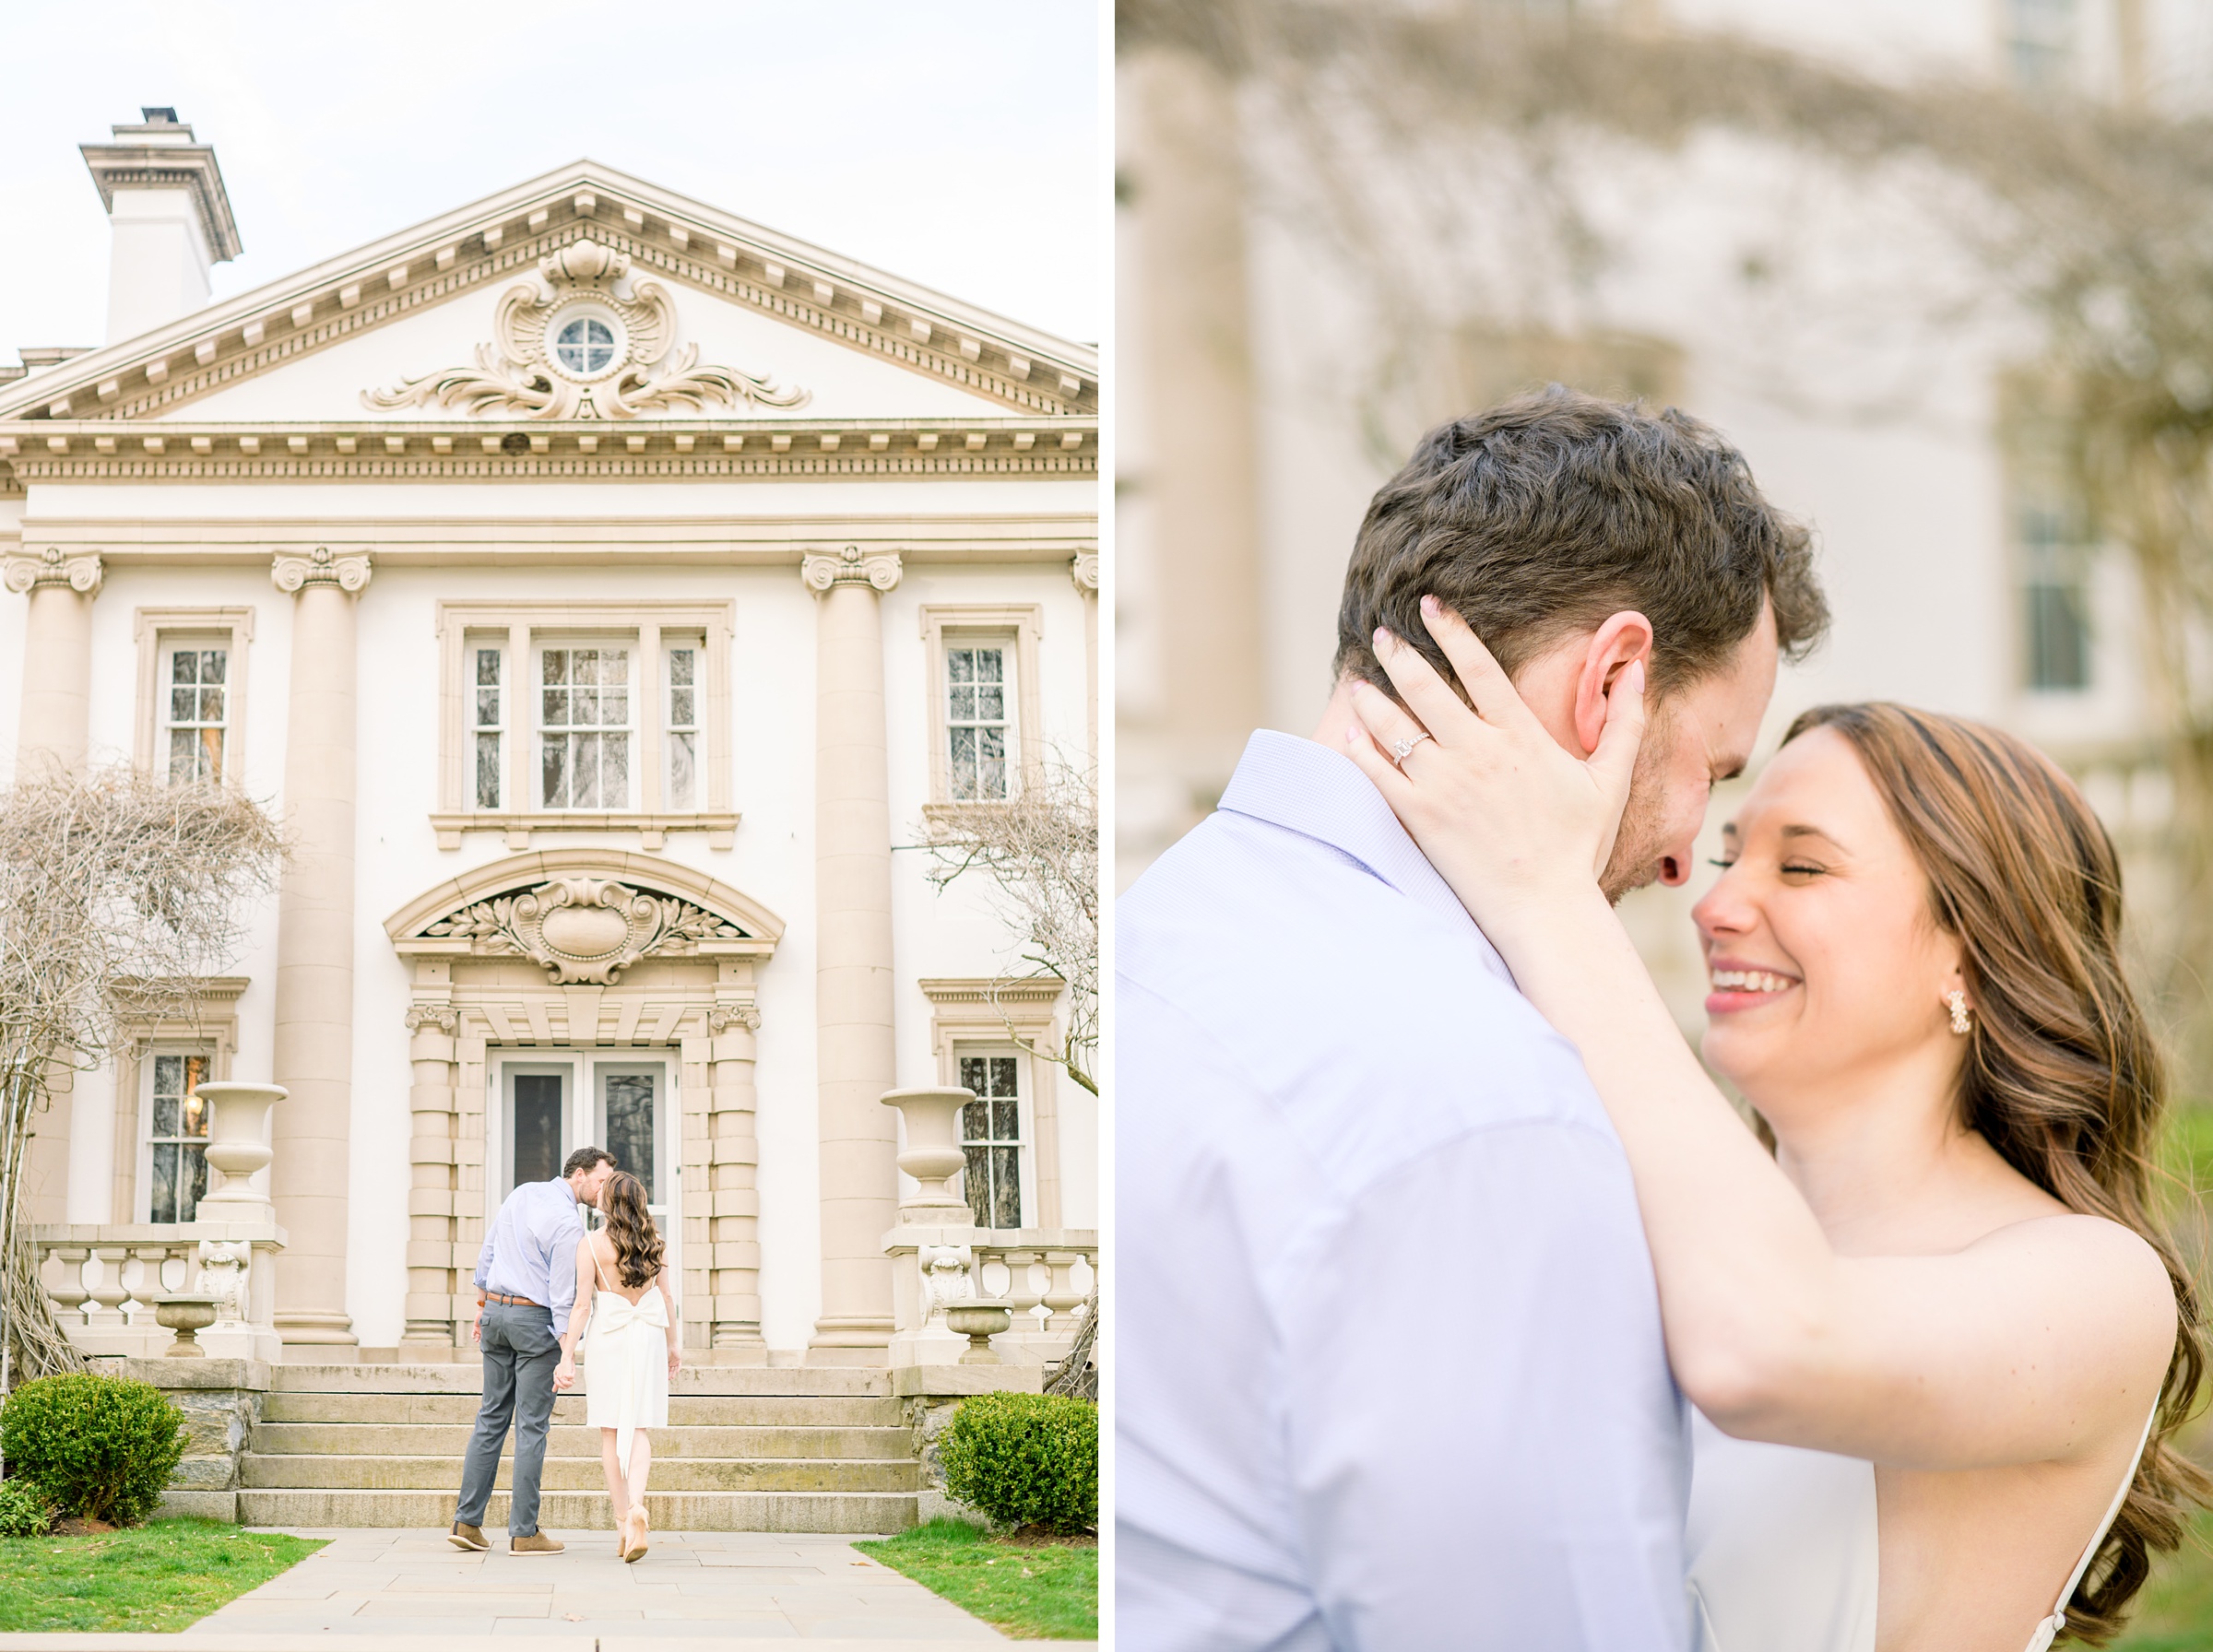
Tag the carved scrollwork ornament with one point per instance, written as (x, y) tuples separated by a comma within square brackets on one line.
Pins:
[(723, 1016), (1084, 571), (349, 570), (622, 361), (822, 571), (443, 1017), (80, 571), (583, 929)]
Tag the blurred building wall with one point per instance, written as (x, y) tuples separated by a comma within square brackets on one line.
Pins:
[(1253, 436)]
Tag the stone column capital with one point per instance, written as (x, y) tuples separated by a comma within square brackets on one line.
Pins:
[(723, 1016), (347, 570), (1084, 571), (80, 570), (822, 571)]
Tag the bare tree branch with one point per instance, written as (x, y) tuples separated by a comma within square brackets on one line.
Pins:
[(1040, 852), (118, 895)]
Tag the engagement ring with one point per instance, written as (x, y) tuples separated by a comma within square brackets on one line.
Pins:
[(1401, 749)]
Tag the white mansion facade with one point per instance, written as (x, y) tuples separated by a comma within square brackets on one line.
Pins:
[(605, 593)]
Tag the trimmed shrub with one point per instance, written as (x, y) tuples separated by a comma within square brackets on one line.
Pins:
[(95, 1447), (1025, 1460), (23, 1513)]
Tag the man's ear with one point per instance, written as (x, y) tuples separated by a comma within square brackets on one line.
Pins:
[(1624, 637)]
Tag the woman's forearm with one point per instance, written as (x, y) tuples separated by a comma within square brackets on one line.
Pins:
[(1746, 1278)]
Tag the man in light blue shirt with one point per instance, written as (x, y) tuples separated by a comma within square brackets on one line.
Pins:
[(525, 1285), (1389, 1369)]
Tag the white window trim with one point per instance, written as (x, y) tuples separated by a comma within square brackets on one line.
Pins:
[(523, 628), (1026, 1116), (1016, 625), (964, 1021), (155, 629), (543, 640), (167, 1046), (210, 1025)]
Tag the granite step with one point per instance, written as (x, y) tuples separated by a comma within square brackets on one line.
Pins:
[(577, 1474), (467, 1377), (698, 1440), (588, 1511), (726, 1410)]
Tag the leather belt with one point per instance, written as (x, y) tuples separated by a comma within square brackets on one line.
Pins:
[(512, 1302)]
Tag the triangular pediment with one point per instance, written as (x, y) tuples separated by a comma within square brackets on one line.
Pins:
[(749, 301)]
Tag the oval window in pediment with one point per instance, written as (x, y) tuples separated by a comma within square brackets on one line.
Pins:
[(584, 346)]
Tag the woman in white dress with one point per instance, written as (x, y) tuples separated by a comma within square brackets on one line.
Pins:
[(630, 1350), (1938, 1339)]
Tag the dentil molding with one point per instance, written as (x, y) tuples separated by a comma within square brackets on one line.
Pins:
[(347, 570), (80, 571), (822, 571), (625, 364)]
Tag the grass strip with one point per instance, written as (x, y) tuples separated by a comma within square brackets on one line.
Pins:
[(1045, 1593), (163, 1576)]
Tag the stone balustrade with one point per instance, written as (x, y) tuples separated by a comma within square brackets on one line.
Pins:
[(102, 1279)]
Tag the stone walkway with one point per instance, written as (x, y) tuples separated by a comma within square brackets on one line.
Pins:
[(408, 1586)]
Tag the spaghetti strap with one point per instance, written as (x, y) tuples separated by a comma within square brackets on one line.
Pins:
[(599, 1273), (2048, 1631)]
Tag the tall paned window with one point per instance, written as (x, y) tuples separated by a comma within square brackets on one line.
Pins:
[(2056, 620), (584, 727), (682, 729), (976, 721), (491, 722), (195, 715), (179, 1134), (992, 1137), (2039, 42)]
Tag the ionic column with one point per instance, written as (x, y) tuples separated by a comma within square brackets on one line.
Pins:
[(733, 1191), (313, 1049), (430, 1258), (853, 1061), (1084, 571), (51, 732)]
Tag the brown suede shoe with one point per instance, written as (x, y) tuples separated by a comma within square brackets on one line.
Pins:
[(537, 1542), (467, 1537)]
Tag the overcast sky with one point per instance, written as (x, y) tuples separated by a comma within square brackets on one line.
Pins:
[(957, 144)]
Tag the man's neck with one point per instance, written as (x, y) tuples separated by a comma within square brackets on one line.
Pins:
[(1337, 717)]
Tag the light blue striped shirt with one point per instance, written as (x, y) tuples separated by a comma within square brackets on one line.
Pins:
[(531, 1250), (1389, 1371)]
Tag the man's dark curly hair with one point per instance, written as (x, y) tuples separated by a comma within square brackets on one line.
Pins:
[(1540, 517)]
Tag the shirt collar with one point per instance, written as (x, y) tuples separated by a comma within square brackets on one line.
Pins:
[(1305, 788)]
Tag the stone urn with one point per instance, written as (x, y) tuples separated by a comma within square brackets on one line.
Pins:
[(187, 1315), (979, 1322), (933, 1155), (237, 1145)]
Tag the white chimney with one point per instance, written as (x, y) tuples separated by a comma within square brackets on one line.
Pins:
[(165, 200)]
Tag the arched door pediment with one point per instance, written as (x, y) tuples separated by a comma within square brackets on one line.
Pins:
[(583, 914)]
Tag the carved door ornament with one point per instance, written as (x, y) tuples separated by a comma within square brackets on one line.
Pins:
[(583, 929), (571, 346)]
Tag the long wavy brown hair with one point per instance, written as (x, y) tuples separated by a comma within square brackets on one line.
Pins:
[(2063, 1075), (632, 1231)]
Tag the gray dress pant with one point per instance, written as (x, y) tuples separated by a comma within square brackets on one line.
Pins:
[(520, 1352)]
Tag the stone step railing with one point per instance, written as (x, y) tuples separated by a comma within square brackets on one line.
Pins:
[(102, 1279)]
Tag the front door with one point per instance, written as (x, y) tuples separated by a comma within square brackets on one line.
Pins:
[(547, 1103)]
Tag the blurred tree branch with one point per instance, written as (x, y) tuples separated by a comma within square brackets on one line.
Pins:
[(2091, 222)]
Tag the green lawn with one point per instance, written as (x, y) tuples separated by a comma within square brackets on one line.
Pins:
[(1034, 1594), (163, 1576)]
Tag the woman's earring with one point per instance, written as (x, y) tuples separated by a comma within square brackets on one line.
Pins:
[(1960, 1024)]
